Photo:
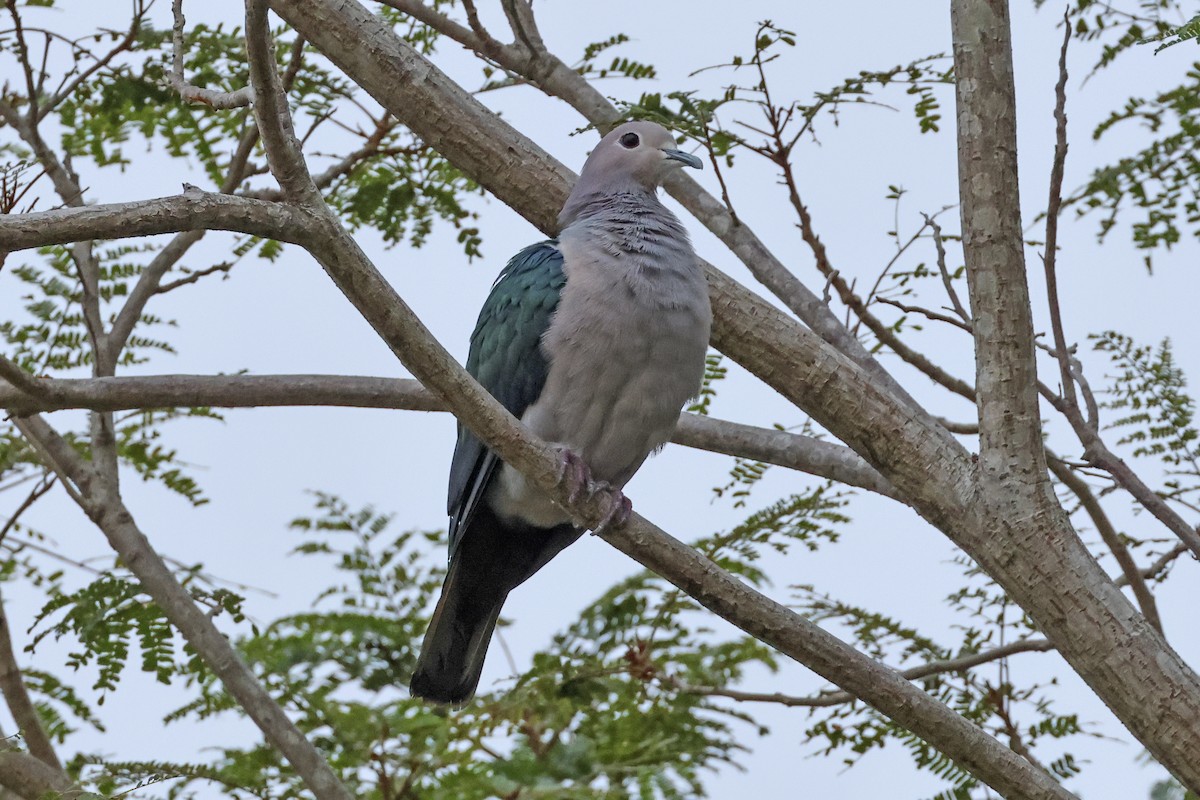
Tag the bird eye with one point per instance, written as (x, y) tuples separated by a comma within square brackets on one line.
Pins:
[(630, 141)]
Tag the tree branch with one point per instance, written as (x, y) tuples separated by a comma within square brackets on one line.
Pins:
[(1016, 497), (1112, 539), (194, 94), (826, 699), (19, 705), (284, 155), (193, 210), (33, 779), (802, 453)]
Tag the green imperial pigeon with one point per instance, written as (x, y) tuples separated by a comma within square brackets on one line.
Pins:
[(594, 340)]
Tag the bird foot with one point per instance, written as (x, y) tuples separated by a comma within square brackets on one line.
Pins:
[(574, 472), (619, 507)]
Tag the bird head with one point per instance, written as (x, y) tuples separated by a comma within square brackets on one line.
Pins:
[(634, 156), (639, 152)]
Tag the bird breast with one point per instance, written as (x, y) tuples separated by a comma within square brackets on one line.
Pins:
[(625, 350)]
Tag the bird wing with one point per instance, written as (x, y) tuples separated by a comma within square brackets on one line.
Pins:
[(506, 358)]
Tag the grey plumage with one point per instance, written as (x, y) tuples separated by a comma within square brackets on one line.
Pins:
[(620, 350)]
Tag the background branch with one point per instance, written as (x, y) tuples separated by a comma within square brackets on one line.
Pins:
[(19, 705), (794, 451), (826, 699)]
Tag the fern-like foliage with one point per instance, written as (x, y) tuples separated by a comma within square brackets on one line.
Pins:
[(1156, 415)]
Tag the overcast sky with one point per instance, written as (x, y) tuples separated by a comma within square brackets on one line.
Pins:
[(286, 317)]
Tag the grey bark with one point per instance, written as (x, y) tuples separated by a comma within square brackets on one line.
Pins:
[(1120, 655), (802, 453)]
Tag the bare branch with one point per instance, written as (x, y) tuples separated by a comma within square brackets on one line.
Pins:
[(965, 428), (947, 280), (33, 779), (19, 704), (24, 58), (1161, 563), (22, 381), (191, 211), (1053, 209), (284, 155), (802, 453), (925, 312), (475, 38), (1112, 539), (44, 485), (826, 699), (194, 94), (846, 294)]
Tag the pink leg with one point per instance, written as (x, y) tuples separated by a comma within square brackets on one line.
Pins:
[(575, 473), (619, 509)]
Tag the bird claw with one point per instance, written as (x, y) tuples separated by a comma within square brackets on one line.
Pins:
[(574, 472), (618, 512)]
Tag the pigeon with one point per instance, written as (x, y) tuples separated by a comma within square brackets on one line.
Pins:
[(595, 340)]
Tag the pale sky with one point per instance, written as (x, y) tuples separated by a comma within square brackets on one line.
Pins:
[(287, 317)]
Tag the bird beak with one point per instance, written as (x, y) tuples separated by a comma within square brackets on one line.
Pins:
[(687, 159)]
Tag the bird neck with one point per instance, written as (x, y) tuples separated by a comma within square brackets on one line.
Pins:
[(633, 224), (607, 201)]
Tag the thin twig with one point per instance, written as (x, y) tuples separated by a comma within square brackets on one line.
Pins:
[(1112, 539), (925, 312), (947, 281), (1053, 209), (826, 699), (43, 486)]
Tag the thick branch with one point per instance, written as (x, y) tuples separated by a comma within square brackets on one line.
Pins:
[(193, 210), (1006, 376), (33, 779), (284, 155), (1108, 643)]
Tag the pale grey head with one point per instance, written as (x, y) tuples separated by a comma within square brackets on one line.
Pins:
[(632, 157)]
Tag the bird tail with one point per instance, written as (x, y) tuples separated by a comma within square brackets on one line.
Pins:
[(457, 641), (490, 559)]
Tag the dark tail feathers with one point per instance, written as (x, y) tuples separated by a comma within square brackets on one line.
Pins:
[(456, 643), (491, 560)]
